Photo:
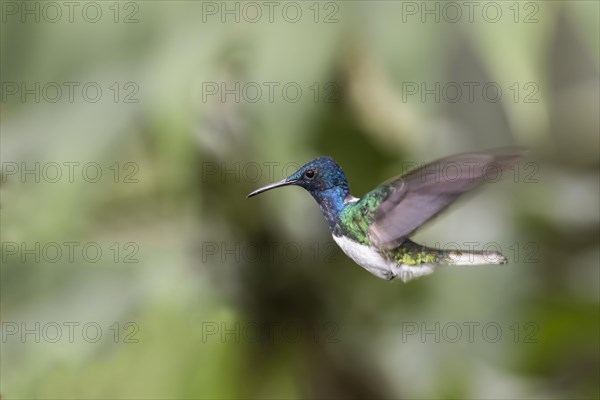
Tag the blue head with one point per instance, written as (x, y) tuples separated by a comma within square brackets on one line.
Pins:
[(324, 180)]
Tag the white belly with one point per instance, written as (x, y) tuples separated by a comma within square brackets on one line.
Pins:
[(371, 260), (366, 257)]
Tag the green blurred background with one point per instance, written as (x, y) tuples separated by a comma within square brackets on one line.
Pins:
[(200, 293)]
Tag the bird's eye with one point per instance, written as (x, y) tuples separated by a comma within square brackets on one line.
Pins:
[(310, 174)]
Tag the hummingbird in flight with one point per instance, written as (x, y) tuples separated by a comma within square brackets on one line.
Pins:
[(374, 230)]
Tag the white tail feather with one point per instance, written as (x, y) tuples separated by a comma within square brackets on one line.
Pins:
[(475, 258)]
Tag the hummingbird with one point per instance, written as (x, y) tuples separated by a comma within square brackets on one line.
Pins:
[(374, 230)]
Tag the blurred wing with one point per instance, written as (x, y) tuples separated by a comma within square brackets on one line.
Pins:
[(421, 194)]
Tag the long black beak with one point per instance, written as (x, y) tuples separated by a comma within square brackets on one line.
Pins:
[(284, 182)]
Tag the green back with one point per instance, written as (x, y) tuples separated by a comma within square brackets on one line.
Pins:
[(356, 217)]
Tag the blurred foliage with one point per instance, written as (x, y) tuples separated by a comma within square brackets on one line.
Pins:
[(353, 341)]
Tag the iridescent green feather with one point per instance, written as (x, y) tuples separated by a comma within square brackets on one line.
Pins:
[(356, 218), (411, 253)]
